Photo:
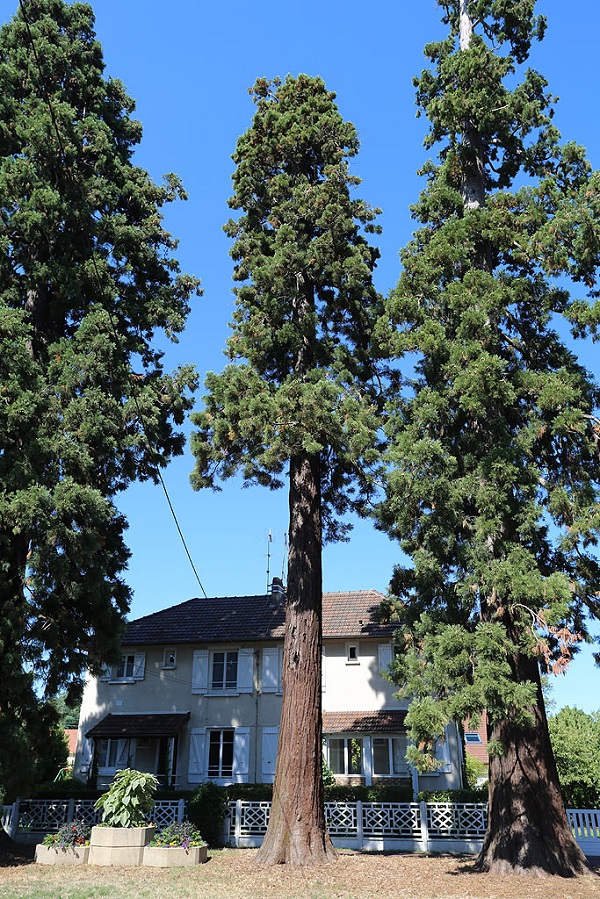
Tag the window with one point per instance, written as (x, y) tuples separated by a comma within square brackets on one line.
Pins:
[(389, 756), (130, 668), (224, 670), (345, 755), (472, 737), (220, 753), (114, 754), (352, 654), (170, 659), (125, 669)]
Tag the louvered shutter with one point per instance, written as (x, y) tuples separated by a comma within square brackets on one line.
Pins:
[(385, 656), (139, 665), (197, 753), (200, 671), (271, 682), (241, 754), (245, 675)]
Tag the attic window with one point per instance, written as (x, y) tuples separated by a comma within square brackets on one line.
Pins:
[(472, 737), (352, 654), (170, 659)]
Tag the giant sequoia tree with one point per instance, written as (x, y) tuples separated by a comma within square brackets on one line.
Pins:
[(87, 277), (297, 399), (494, 444)]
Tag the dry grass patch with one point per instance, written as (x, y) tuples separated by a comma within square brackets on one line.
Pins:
[(233, 874)]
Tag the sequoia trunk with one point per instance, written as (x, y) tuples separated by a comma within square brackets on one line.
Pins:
[(528, 831), (296, 834)]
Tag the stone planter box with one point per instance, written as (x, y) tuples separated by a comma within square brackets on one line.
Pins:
[(174, 856), (119, 845), (65, 855)]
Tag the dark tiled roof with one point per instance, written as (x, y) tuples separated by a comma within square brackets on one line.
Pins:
[(156, 725), (363, 722), (241, 618)]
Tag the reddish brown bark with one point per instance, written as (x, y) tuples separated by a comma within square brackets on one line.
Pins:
[(528, 831), (296, 834)]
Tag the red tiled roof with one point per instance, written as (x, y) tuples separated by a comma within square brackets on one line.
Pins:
[(154, 725), (363, 722), (349, 614)]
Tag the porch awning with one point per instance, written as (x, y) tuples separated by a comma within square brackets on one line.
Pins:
[(363, 722), (157, 725)]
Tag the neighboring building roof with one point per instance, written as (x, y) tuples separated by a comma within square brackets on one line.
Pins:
[(156, 725), (349, 614), (363, 722), (71, 739)]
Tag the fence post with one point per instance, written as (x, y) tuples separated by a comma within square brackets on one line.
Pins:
[(238, 823), (181, 810), (359, 824), (424, 826), (14, 820), (70, 810)]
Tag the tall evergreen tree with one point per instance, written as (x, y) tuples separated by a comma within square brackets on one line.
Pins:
[(87, 277), (493, 482), (299, 395)]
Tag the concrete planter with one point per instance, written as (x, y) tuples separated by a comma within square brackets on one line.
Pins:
[(65, 855), (119, 845), (174, 856)]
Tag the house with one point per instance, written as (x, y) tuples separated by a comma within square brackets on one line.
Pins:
[(197, 696)]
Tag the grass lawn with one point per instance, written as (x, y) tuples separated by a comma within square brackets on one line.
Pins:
[(232, 874)]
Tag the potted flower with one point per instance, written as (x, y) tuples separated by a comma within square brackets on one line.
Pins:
[(124, 831), (177, 845), (69, 846)]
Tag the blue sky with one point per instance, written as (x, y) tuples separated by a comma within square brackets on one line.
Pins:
[(188, 64)]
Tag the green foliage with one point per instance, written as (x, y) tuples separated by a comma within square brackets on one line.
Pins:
[(179, 834), (250, 792), (68, 709), (87, 281), (207, 810), (471, 795), (492, 486), (575, 737), (129, 800), (381, 792), (302, 373), (38, 740), (474, 770)]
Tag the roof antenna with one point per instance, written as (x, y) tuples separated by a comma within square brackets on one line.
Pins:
[(269, 541), (284, 557)]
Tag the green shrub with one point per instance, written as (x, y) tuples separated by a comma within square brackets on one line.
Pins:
[(129, 800), (478, 795), (474, 770), (380, 792), (68, 788), (207, 809), (250, 792)]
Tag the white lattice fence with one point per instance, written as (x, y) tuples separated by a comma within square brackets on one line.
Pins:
[(456, 820), (391, 819), (47, 815), (341, 818)]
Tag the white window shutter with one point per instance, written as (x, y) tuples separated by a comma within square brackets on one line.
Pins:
[(270, 739), (323, 660), (241, 754), (442, 754), (245, 674), (139, 665), (271, 681), (106, 672), (122, 759), (197, 752), (385, 656), (200, 671)]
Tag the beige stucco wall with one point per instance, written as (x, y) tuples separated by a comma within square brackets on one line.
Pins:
[(358, 686)]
